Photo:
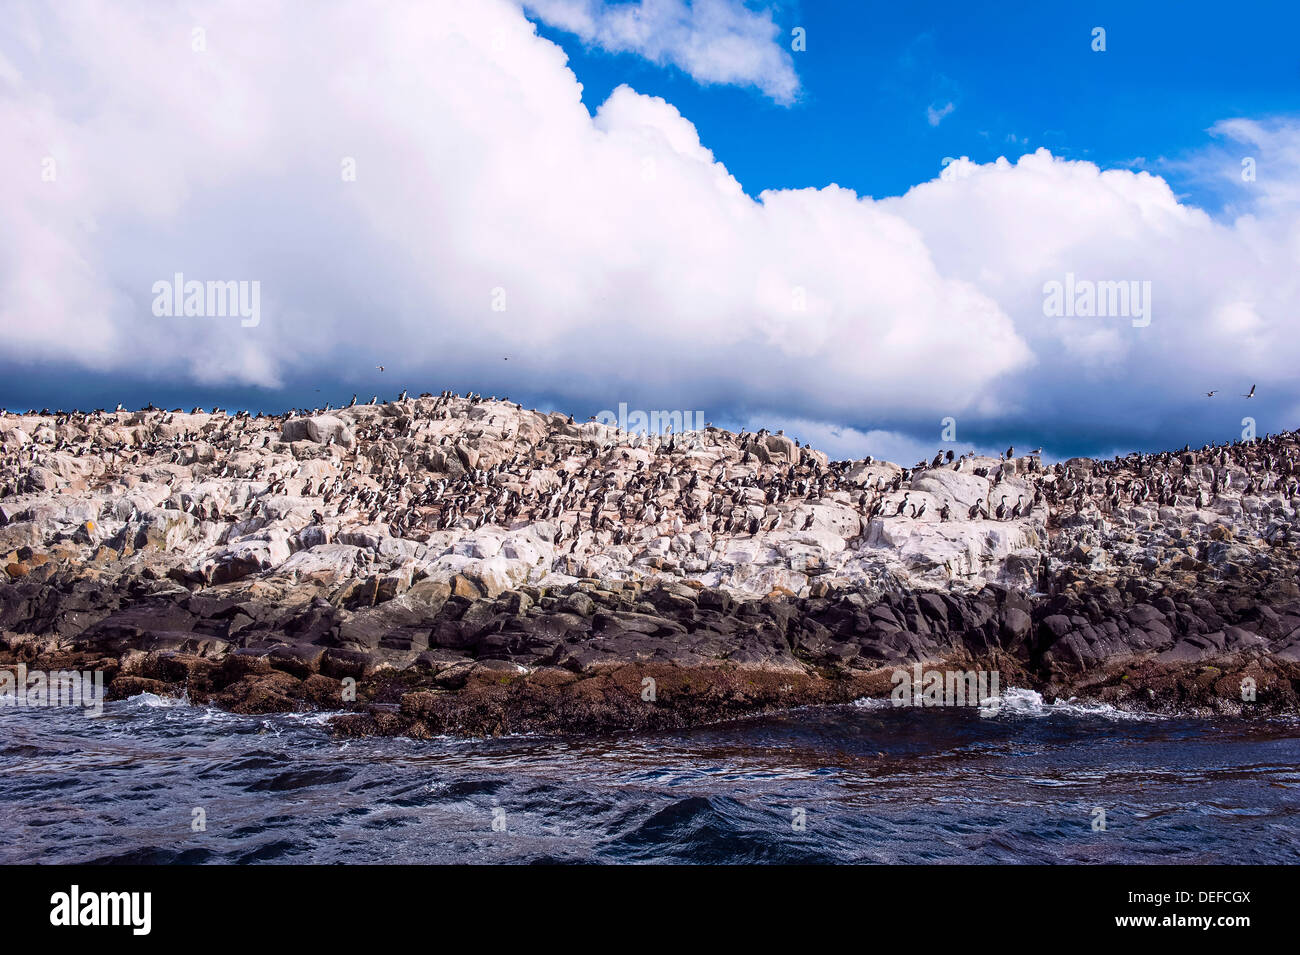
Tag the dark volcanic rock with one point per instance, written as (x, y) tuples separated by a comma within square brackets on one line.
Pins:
[(573, 659)]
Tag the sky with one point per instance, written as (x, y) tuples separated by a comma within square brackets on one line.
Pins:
[(841, 219)]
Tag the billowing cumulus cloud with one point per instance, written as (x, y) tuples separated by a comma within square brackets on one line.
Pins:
[(1222, 293), (420, 185)]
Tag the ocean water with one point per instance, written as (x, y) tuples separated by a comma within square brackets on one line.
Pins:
[(868, 783)]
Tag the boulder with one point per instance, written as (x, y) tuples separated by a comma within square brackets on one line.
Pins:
[(319, 428)]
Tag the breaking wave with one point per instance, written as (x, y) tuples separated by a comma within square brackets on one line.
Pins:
[(1020, 702)]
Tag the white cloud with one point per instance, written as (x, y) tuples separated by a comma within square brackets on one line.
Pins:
[(935, 115), (622, 246), (1257, 162), (634, 267), (714, 41), (1011, 227)]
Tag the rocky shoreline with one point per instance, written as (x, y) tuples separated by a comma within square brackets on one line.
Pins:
[(448, 565), (588, 659)]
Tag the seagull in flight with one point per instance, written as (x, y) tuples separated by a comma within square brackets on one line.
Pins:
[(1210, 394), (380, 367), (1252, 392)]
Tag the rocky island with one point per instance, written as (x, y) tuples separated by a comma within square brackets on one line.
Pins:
[(458, 564)]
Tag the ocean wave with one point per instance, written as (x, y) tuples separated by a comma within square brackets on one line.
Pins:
[(1017, 702), (1020, 702), (313, 717), (153, 700), (873, 703)]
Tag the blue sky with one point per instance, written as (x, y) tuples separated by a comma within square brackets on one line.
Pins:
[(655, 228), (1019, 75)]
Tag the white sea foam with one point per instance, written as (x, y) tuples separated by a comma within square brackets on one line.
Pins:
[(1019, 702), (872, 703), (313, 718), (154, 700)]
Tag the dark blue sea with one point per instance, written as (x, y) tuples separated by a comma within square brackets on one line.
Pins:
[(160, 781)]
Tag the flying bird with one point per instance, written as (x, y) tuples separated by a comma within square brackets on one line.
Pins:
[(380, 367), (1210, 394), (1252, 392)]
